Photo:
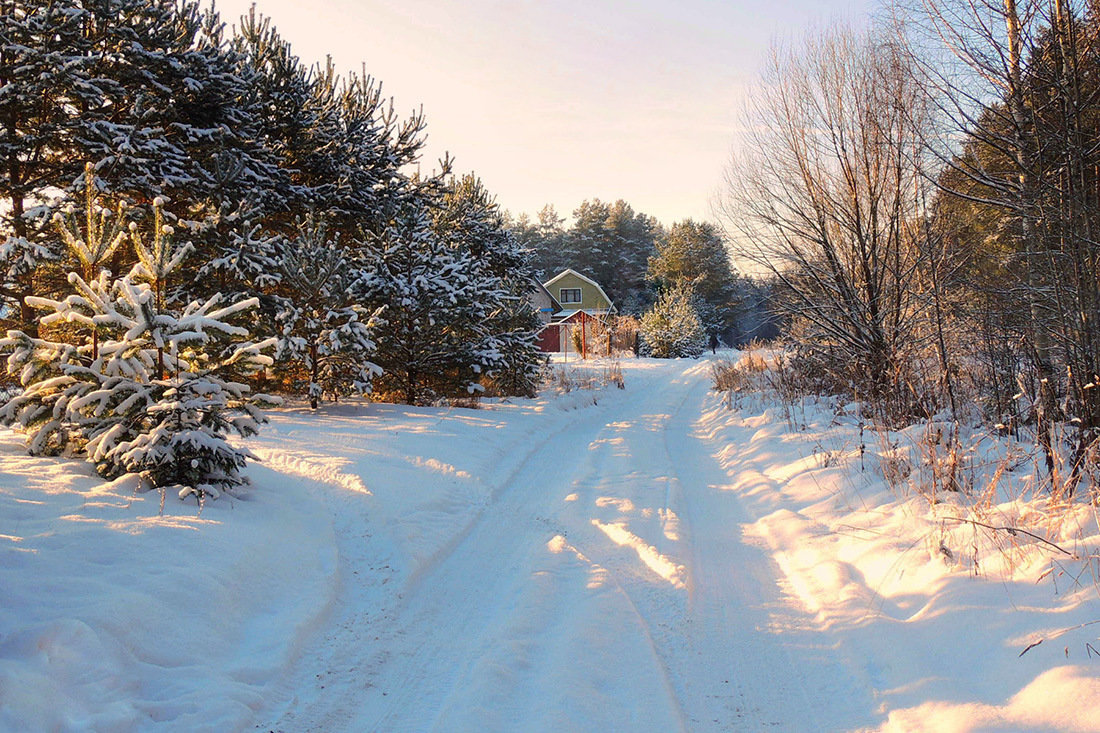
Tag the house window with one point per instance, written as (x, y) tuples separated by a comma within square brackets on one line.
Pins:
[(569, 295)]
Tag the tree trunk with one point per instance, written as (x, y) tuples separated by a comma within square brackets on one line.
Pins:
[(313, 371)]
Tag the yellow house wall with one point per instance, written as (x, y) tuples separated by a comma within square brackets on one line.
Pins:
[(590, 296)]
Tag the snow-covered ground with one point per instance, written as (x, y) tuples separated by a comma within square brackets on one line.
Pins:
[(643, 559)]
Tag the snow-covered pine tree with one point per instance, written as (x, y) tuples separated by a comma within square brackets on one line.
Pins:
[(48, 80), (245, 262), (433, 341), (182, 121), (341, 143), (323, 328), (672, 328), (469, 219), (158, 396)]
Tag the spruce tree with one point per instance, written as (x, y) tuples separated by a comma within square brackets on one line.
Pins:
[(672, 328)]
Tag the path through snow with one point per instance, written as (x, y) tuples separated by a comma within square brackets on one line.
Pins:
[(585, 571), (614, 560)]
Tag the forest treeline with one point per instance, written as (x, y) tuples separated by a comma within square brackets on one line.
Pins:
[(927, 192), (636, 259), (192, 217)]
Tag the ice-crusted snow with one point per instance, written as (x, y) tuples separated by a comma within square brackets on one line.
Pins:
[(609, 560)]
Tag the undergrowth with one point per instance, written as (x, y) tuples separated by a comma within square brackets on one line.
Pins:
[(986, 498)]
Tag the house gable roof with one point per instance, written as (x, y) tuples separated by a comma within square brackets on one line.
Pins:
[(553, 301), (590, 281)]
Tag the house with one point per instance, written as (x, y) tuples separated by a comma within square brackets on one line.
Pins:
[(542, 301), (576, 292), (582, 302)]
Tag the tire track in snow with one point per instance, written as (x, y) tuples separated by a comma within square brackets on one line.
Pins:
[(502, 620), (731, 692), (442, 585), (308, 468), (796, 675), (393, 665)]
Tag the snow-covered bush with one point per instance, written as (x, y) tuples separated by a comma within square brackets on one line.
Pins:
[(145, 388), (672, 328)]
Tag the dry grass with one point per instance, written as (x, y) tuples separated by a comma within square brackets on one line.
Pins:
[(565, 378), (991, 505)]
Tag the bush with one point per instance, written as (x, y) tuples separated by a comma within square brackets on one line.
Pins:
[(672, 328)]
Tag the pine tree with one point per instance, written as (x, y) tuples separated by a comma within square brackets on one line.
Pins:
[(245, 263), (694, 253), (323, 328), (672, 327), (469, 220), (48, 80), (155, 391), (339, 139), (181, 120), (611, 243), (634, 236), (433, 341)]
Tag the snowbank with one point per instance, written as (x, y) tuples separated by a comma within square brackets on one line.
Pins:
[(117, 615), (937, 608)]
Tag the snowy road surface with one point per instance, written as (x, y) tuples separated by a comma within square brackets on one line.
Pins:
[(574, 570), (612, 560)]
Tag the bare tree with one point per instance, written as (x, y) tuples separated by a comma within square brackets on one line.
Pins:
[(1015, 86), (827, 191)]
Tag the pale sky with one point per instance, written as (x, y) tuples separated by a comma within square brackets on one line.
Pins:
[(556, 102)]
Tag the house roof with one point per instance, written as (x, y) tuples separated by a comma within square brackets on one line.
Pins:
[(590, 281), (556, 306), (564, 315)]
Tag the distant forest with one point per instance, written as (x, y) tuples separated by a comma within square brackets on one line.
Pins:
[(634, 258)]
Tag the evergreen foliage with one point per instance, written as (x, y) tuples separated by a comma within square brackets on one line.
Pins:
[(431, 339), (469, 218), (611, 243), (150, 389), (693, 252), (231, 140), (672, 328), (323, 328)]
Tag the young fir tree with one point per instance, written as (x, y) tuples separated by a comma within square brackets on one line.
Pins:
[(433, 341), (155, 392), (469, 220), (672, 328), (323, 328)]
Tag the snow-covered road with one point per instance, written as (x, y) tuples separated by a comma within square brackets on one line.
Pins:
[(599, 583), (645, 559)]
